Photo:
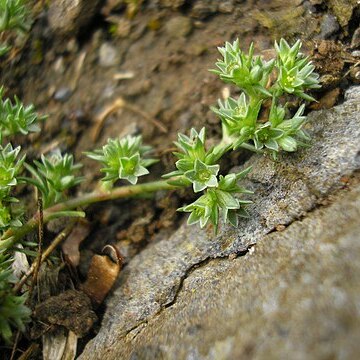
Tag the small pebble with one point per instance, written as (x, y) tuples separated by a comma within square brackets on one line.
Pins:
[(226, 7), (355, 41), (203, 9), (72, 46), (66, 17), (309, 7), (179, 26), (59, 66), (173, 4), (63, 94), (355, 74), (225, 92), (108, 55), (232, 256), (329, 26)]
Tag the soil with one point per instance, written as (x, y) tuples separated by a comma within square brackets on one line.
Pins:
[(155, 57)]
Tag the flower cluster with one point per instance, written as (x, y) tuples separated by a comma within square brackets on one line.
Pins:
[(53, 176), (250, 73), (123, 159), (197, 166), (219, 202), (240, 117), (17, 118), (296, 73)]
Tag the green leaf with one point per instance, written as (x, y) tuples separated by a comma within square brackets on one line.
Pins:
[(288, 143)]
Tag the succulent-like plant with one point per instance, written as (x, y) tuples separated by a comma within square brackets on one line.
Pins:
[(123, 159), (13, 17), (53, 176), (293, 74)]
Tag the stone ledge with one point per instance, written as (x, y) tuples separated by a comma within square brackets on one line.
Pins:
[(285, 191)]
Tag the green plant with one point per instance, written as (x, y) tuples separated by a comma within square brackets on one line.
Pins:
[(123, 159), (13, 17), (13, 311), (293, 74), (197, 165)]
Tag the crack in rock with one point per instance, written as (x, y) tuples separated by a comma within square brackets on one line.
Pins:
[(154, 277)]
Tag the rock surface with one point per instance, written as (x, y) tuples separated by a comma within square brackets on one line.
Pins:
[(67, 17), (296, 294)]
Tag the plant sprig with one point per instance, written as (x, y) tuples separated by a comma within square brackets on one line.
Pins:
[(14, 16), (123, 159), (294, 75)]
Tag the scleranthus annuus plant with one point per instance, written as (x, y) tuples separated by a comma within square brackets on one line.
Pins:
[(13, 17), (289, 74), (264, 85)]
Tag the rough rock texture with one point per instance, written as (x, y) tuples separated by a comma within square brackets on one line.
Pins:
[(297, 293), (68, 16)]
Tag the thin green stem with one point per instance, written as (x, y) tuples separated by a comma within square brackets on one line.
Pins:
[(12, 236), (251, 148)]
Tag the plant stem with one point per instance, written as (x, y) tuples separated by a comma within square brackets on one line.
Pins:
[(251, 148), (59, 238), (12, 236)]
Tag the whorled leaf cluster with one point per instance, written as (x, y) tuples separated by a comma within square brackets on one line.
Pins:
[(14, 16), (123, 158), (53, 176), (289, 74), (198, 167)]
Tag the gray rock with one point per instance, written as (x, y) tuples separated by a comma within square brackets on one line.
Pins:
[(67, 17), (226, 7), (329, 26), (63, 94), (285, 191), (355, 40), (294, 296), (108, 55), (203, 9), (178, 26)]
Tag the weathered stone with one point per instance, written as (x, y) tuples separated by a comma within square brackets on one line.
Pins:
[(67, 17), (285, 191), (226, 7), (329, 27), (295, 296), (203, 9), (173, 4), (178, 26), (63, 94), (355, 41), (108, 55)]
